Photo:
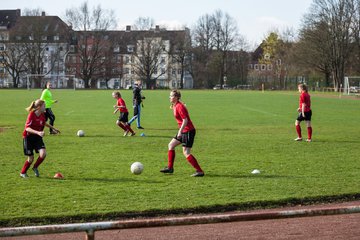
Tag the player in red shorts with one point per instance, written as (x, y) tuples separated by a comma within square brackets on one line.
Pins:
[(185, 136), (33, 136), (122, 122), (305, 113)]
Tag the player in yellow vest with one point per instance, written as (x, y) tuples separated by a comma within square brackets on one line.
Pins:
[(47, 97)]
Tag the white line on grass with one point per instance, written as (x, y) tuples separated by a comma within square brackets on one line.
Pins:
[(259, 111), (68, 113)]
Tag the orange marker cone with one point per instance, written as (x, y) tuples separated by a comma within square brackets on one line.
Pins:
[(58, 175)]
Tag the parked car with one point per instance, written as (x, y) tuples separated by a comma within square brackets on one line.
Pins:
[(217, 87), (354, 89)]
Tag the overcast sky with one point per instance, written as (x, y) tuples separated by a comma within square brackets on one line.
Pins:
[(255, 18)]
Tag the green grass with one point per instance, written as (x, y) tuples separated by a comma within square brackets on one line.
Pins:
[(237, 131)]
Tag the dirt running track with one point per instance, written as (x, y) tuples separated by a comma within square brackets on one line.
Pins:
[(345, 226)]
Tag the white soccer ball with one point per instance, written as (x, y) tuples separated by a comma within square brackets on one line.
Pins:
[(137, 168), (255, 171), (80, 133)]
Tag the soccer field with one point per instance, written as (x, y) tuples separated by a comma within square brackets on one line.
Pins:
[(237, 132)]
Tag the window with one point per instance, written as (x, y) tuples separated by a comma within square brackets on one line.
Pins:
[(56, 38), (130, 48), (44, 38), (73, 59), (163, 70), (263, 67), (72, 48), (127, 60), (269, 67), (126, 70), (173, 72), (256, 67), (250, 66), (116, 49), (162, 61), (31, 38)]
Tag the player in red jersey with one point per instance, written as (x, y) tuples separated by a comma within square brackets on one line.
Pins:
[(184, 136), (305, 112), (33, 136), (122, 122)]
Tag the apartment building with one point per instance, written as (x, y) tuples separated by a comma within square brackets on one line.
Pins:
[(51, 49)]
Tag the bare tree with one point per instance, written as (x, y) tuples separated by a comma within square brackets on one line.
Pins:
[(148, 60), (143, 23), (14, 61), (226, 38), (337, 19), (203, 39), (180, 52), (92, 39), (214, 36), (313, 50), (32, 12)]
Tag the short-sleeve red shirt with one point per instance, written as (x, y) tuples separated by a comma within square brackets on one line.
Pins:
[(180, 113), (35, 122), (121, 102), (305, 98)]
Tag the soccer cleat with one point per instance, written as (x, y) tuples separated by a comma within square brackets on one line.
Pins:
[(126, 133), (24, 175), (167, 170), (36, 171), (132, 134), (298, 139), (308, 140), (198, 174), (140, 127)]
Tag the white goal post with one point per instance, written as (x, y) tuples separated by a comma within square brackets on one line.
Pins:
[(351, 85), (59, 81)]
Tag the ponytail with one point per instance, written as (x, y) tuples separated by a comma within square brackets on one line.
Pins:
[(34, 105)]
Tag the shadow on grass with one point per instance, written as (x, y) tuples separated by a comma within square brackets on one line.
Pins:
[(113, 180), (246, 176), (156, 136), (160, 129), (120, 136), (333, 141)]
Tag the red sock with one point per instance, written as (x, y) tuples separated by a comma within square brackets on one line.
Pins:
[(25, 167), (309, 130), (122, 126), (298, 130), (171, 158), (192, 160), (129, 128), (38, 162)]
